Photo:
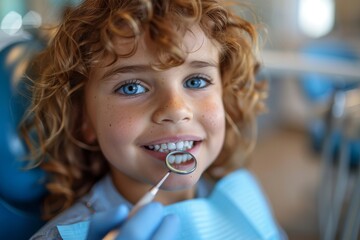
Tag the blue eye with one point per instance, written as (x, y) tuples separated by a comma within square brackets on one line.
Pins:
[(132, 88), (197, 82)]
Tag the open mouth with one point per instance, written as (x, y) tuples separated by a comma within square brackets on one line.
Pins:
[(174, 146)]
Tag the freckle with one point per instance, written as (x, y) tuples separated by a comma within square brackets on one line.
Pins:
[(110, 124)]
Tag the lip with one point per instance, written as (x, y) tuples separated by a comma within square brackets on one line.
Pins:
[(174, 139), (162, 155)]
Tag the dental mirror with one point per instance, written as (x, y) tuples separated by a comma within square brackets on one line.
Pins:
[(179, 162)]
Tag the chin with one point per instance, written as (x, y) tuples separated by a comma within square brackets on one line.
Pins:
[(180, 182)]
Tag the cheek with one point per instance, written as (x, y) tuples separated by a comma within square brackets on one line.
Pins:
[(213, 116), (213, 120), (115, 124)]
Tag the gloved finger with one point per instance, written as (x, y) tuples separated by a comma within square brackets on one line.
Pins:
[(143, 224), (103, 222), (168, 229)]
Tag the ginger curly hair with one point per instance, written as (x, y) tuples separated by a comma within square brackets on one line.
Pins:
[(51, 126)]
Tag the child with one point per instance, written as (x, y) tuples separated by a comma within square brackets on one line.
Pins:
[(122, 83)]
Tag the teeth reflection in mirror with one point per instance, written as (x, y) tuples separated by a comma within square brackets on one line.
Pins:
[(181, 162), (180, 158)]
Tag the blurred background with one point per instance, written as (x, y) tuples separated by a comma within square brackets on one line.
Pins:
[(308, 152)]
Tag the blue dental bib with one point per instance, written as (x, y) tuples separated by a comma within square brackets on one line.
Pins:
[(236, 209)]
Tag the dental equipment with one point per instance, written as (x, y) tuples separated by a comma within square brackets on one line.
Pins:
[(173, 166), (179, 162)]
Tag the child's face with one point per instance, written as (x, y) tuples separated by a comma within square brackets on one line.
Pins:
[(132, 109)]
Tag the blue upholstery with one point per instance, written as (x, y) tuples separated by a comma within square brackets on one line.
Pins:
[(21, 191), (318, 87)]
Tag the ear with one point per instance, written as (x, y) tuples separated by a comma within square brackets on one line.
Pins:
[(87, 130)]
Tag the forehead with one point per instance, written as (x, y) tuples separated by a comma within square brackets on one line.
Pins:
[(194, 43)]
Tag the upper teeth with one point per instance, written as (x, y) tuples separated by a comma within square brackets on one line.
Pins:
[(172, 146)]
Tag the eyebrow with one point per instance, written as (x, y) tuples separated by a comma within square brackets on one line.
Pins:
[(203, 64), (142, 68), (127, 69)]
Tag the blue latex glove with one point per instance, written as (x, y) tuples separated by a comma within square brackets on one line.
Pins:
[(148, 223)]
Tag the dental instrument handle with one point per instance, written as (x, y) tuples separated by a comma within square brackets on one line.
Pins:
[(149, 196)]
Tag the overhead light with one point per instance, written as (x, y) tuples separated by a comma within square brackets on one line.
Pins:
[(316, 17), (11, 23), (32, 19)]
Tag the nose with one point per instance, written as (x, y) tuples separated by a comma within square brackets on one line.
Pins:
[(172, 108)]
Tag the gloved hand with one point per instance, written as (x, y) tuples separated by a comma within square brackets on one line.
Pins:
[(148, 223)]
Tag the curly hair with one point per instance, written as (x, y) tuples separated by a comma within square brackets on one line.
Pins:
[(85, 36)]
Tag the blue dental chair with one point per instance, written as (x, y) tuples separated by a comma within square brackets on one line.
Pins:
[(336, 136), (21, 191)]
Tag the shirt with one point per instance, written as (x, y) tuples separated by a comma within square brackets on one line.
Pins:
[(102, 196)]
